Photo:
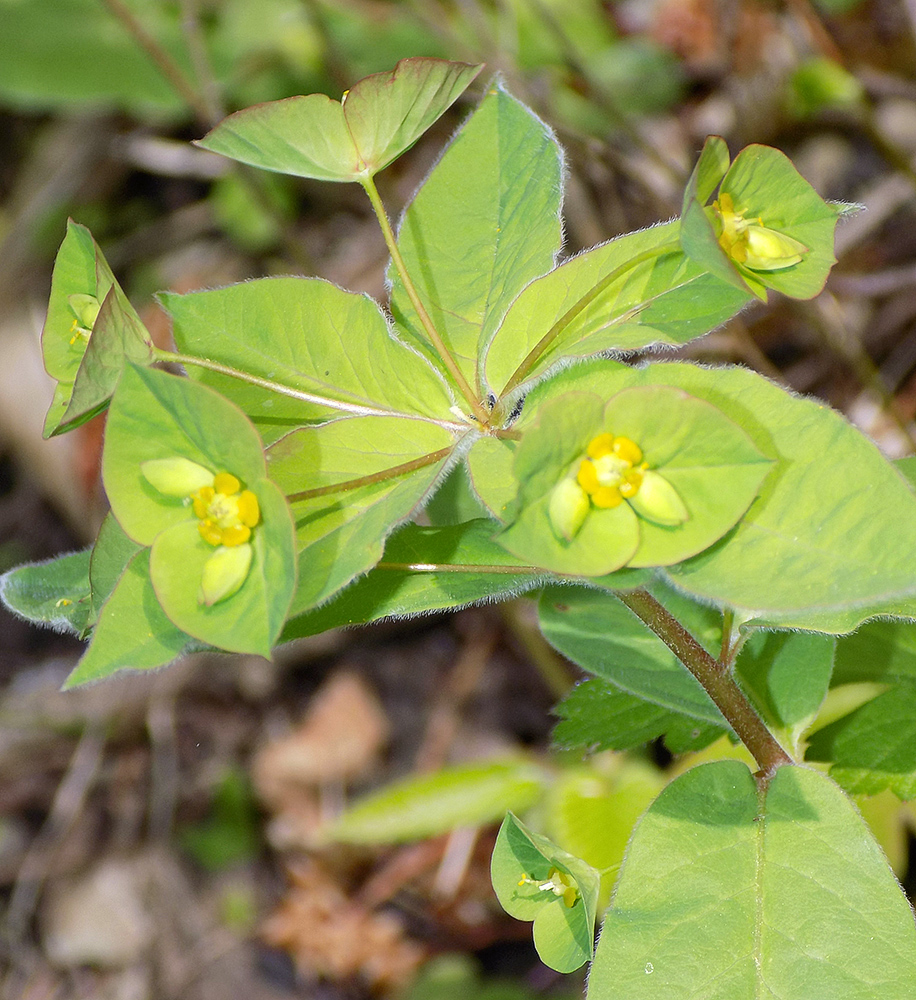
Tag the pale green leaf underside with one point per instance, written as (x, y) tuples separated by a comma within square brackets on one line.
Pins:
[(430, 804), (53, 593), (725, 895), (308, 335), (340, 534), (392, 589), (315, 136), (484, 223), (665, 299)]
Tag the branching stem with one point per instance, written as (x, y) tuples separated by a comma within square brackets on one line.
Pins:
[(448, 360), (716, 678), (523, 370)]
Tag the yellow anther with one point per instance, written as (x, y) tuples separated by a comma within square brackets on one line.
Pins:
[(226, 483), (632, 480), (601, 445), (607, 496), (587, 477), (249, 509), (628, 450)]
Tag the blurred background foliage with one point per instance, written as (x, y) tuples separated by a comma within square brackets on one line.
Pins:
[(167, 836)]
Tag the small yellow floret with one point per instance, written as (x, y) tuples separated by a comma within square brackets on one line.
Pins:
[(628, 450), (587, 476), (249, 510), (225, 482), (601, 445), (607, 496)]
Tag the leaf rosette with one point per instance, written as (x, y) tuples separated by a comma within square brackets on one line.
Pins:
[(185, 472), (648, 478), (766, 228)]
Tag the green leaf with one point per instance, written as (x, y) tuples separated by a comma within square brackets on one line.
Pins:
[(112, 551), (429, 804), (484, 223), (70, 351), (874, 747), (311, 337), (604, 637), (251, 619), (522, 862), (350, 482), (637, 290), (716, 896), (598, 715), (54, 593), (472, 568), (879, 651), (156, 415), (132, 631), (378, 119), (786, 674), (819, 548)]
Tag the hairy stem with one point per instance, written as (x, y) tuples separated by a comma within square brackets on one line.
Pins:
[(521, 373), (450, 363), (356, 409), (715, 677)]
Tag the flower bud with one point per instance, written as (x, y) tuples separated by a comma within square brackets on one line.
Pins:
[(658, 501), (176, 477), (568, 506), (85, 308), (224, 573)]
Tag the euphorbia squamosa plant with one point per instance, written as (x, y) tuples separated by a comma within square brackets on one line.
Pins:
[(671, 516)]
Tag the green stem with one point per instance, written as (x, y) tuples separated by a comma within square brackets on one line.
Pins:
[(476, 406), (307, 397), (578, 307), (375, 477), (715, 677)]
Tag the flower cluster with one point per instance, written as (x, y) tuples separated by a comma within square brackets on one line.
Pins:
[(226, 514), (613, 472), (559, 883)]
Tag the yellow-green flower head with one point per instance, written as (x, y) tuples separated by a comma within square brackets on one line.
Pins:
[(559, 883), (226, 514), (613, 472), (750, 242), (85, 309)]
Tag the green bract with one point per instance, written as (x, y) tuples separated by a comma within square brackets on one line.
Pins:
[(702, 473), (768, 228), (90, 329), (221, 575), (535, 880)]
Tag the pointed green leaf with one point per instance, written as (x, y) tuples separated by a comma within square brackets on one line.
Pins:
[(54, 593), (132, 631), (424, 569), (378, 119), (874, 747), (111, 553), (599, 633), (531, 876), (484, 223), (156, 415), (311, 337), (716, 897), (637, 290), (250, 620), (427, 805), (350, 482), (598, 715)]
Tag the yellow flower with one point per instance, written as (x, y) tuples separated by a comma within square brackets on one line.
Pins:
[(226, 514), (750, 242), (612, 472), (557, 882)]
